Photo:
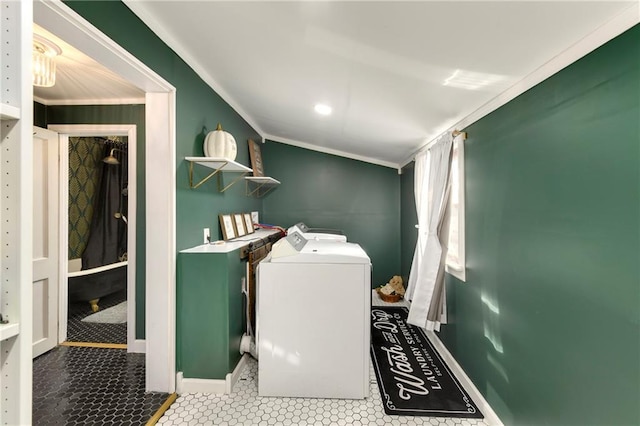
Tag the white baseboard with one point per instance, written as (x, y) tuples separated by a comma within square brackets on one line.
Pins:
[(215, 386), (139, 346), (232, 378), (190, 385), (490, 416)]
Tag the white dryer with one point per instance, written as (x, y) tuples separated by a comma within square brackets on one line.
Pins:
[(313, 319), (317, 233)]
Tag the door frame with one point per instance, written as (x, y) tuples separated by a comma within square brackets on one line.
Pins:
[(64, 132), (160, 172)]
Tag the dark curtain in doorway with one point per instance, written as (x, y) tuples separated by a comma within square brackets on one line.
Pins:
[(108, 235)]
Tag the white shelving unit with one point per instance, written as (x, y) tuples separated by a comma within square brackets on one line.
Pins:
[(9, 112), (16, 181), (219, 166), (259, 186), (9, 330)]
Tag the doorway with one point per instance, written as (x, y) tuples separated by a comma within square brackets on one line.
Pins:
[(159, 344), (67, 134)]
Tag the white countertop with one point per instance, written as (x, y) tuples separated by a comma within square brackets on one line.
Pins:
[(231, 245)]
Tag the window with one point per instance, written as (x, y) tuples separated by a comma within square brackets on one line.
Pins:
[(456, 254)]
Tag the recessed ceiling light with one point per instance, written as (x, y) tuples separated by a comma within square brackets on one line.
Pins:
[(322, 109)]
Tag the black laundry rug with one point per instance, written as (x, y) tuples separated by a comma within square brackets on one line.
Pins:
[(412, 377)]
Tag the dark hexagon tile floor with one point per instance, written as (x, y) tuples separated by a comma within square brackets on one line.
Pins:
[(78, 331), (92, 386)]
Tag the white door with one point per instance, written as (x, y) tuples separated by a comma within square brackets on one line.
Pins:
[(45, 240)]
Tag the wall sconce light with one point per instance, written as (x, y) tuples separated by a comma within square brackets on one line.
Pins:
[(44, 66)]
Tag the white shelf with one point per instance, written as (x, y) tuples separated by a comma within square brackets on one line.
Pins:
[(8, 112), (261, 185), (223, 164), (8, 331), (217, 165), (231, 245), (263, 180)]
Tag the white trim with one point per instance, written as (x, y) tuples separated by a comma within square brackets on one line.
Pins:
[(17, 212), (139, 346), (186, 385), (233, 377), (160, 302), (331, 151), (601, 35), (459, 270), (63, 234), (215, 386), (90, 101), (66, 130), (160, 115), (160, 30), (490, 416)]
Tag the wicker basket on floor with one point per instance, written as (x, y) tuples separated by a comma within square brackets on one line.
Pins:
[(389, 298)]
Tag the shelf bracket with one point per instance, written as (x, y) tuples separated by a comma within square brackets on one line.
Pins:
[(212, 174), (243, 174), (256, 190), (191, 185)]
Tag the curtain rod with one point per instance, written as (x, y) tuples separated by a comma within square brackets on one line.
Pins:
[(455, 133)]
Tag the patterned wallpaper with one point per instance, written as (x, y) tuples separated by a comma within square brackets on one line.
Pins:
[(85, 164)]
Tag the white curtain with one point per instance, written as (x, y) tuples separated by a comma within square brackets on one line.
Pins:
[(426, 284), (420, 188)]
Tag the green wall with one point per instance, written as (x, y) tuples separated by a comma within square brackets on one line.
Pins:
[(116, 114), (547, 324), (39, 115), (326, 191)]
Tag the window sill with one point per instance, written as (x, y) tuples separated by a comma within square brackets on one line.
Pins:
[(457, 271)]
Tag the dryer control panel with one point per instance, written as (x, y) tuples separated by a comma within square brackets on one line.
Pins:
[(290, 245)]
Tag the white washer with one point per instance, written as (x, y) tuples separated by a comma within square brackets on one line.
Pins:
[(313, 319), (315, 233)]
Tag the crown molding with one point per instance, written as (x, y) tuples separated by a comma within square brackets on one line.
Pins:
[(331, 151)]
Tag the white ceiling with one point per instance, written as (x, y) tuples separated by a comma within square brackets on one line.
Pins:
[(397, 74), (81, 80)]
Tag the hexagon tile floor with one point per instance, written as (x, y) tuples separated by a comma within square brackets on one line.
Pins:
[(245, 407), (78, 331), (92, 386)]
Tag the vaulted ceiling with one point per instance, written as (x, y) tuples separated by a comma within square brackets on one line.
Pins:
[(396, 74)]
